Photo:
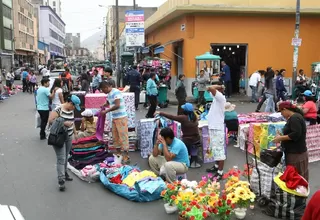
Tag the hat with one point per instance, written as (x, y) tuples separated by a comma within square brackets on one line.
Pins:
[(76, 102), (307, 93), (228, 107), (188, 107), (87, 113), (286, 105)]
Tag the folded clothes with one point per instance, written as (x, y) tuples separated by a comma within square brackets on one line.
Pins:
[(83, 158), (88, 145), (85, 140), (73, 152), (99, 157), (88, 149)]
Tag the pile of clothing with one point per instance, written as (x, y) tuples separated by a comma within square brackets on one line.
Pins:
[(107, 138), (87, 151), (133, 184)]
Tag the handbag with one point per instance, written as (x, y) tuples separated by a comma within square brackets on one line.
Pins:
[(57, 139), (271, 157)]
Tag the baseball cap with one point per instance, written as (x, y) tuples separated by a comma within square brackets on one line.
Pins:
[(307, 93), (87, 113), (187, 107), (76, 102)]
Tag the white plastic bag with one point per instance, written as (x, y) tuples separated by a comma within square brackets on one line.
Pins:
[(38, 120)]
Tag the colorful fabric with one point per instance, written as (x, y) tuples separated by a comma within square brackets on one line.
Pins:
[(134, 177), (112, 97), (100, 126), (120, 133), (217, 144), (95, 100)]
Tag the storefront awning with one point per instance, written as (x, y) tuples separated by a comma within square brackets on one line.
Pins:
[(147, 48), (160, 49)]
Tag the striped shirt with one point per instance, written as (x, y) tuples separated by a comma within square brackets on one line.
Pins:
[(68, 116), (112, 97)]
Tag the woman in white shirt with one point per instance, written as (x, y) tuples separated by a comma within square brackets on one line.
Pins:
[(58, 97)]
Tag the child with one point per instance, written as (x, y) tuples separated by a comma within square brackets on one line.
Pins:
[(242, 85), (88, 124)]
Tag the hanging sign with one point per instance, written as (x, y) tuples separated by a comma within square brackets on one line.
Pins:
[(296, 42)]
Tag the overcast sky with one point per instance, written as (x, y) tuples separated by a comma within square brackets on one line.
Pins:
[(86, 17)]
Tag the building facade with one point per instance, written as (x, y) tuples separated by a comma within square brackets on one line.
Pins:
[(6, 34), (248, 35), (73, 41), (52, 31), (79, 53), (25, 33), (111, 24)]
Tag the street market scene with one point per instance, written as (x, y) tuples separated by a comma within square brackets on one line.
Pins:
[(167, 109)]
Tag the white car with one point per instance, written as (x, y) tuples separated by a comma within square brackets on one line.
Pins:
[(10, 213)]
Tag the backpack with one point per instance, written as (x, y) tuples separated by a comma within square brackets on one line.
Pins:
[(58, 133)]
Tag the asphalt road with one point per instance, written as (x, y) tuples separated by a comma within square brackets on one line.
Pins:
[(28, 174)]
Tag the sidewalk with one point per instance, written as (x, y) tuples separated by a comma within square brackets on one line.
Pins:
[(234, 98)]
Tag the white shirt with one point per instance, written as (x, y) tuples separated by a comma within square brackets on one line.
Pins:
[(254, 79), (44, 71), (216, 112), (8, 76), (56, 99)]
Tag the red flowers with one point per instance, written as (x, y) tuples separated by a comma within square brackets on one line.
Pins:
[(228, 202), (204, 215), (228, 212), (192, 218), (215, 211), (224, 197), (220, 204), (173, 197)]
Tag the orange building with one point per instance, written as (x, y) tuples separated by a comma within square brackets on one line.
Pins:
[(249, 36)]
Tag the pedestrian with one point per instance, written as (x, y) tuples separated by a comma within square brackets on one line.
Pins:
[(270, 91), (43, 97), (152, 94), (310, 108), (58, 98), (32, 82), (226, 77), (25, 80), (169, 155), (202, 82), (189, 128), (9, 80), (281, 89), (66, 112), (108, 76), (293, 139), (85, 82), (254, 81), (181, 93), (217, 129), (12, 77), (96, 80), (117, 108), (134, 81)]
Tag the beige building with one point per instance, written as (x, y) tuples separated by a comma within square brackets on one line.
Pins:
[(25, 32)]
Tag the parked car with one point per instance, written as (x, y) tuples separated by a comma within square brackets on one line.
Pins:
[(17, 73), (57, 72), (10, 213)]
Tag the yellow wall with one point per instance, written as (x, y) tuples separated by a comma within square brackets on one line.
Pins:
[(268, 39)]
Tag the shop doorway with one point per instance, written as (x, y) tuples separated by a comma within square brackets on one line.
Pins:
[(236, 57), (178, 48)]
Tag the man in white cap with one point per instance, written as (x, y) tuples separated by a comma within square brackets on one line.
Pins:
[(88, 124)]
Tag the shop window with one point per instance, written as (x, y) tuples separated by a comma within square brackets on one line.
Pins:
[(7, 12), (7, 33)]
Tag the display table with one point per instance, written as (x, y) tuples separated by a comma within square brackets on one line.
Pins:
[(96, 100)]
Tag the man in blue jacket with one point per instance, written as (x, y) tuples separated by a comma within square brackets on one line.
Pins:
[(134, 80), (281, 89)]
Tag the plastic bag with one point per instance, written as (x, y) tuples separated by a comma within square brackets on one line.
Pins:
[(37, 120)]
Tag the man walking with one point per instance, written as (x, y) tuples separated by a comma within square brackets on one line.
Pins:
[(96, 80), (25, 75), (134, 80), (226, 77), (217, 129), (254, 84)]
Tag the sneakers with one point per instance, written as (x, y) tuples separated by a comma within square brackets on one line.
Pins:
[(68, 178), (62, 187), (212, 170)]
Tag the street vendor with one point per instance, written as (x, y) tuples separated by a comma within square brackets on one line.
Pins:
[(309, 108), (170, 156), (293, 140), (189, 128)]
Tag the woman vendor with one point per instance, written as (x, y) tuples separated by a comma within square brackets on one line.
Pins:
[(88, 124), (293, 140), (309, 108), (190, 130)]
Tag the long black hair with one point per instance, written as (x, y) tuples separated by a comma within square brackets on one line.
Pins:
[(57, 83), (269, 77)]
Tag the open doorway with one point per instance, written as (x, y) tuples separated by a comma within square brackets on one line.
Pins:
[(235, 56)]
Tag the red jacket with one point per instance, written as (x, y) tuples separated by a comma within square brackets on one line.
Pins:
[(312, 211)]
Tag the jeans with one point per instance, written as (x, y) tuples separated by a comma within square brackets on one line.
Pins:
[(254, 94), (25, 85), (136, 91), (62, 154), (281, 96), (201, 100), (153, 106), (270, 103), (228, 90), (44, 115)]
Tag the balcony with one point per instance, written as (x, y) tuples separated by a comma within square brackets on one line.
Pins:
[(22, 28)]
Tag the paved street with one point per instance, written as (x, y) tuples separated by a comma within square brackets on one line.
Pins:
[(28, 174)]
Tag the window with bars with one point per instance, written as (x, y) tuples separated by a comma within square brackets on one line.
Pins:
[(7, 12)]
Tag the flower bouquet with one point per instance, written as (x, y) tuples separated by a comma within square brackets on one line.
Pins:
[(169, 196)]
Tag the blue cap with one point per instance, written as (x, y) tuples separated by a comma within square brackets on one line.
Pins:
[(187, 107), (307, 93), (76, 102)]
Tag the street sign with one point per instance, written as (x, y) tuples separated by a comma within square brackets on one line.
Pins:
[(296, 42), (134, 28)]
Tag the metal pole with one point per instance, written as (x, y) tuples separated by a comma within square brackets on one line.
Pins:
[(296, 47), (134, 4), (135, 49), (117, 45)]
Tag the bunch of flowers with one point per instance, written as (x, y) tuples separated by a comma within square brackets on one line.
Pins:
[(222, 207), (169, 195)]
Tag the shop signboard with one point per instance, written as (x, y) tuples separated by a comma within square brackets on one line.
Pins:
[(296, 42), (134, 28)]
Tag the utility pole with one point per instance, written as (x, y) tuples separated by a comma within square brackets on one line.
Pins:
[(117, 45), (296, 47), (135, 49)]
